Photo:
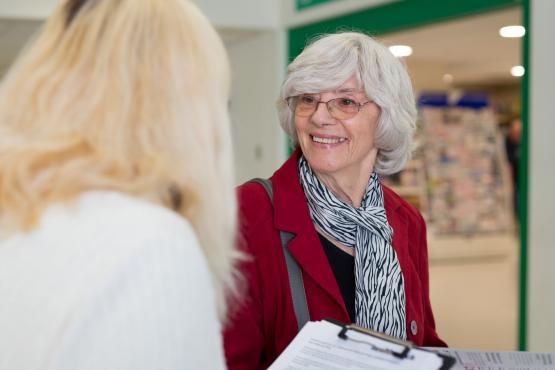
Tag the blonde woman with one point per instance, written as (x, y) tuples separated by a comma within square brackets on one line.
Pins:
[(117, 210)]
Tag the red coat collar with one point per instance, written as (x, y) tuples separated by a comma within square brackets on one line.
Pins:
[(291, 214)]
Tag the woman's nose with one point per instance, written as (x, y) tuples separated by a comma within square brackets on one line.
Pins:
[(321, 115)]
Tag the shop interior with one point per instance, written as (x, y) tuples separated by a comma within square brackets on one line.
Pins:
[(468, 99), (461, 177)]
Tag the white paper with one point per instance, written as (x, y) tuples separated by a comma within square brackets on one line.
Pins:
[(484, 360), (317, 346)]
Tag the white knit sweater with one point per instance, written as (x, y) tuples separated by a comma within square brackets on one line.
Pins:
[(107, 282)]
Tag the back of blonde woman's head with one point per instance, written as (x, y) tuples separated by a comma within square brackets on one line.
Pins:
[(125, 95)]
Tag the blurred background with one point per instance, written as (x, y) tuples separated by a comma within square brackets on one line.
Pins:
[(482, 172)]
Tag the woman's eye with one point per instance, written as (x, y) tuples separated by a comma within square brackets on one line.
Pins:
[(346, 102), (307, 99)]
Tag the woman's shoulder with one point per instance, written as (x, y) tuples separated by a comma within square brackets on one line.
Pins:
[(115, 218), (254, 202), (252, 190), (119, 235), (131, 210)]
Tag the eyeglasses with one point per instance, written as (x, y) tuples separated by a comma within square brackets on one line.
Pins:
[(339, 108)]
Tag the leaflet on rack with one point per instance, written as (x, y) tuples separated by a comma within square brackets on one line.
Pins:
[(486, 360)]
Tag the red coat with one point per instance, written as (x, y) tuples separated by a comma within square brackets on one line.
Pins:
[(265, 323)]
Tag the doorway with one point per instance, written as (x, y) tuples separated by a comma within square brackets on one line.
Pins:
[(477, 272)]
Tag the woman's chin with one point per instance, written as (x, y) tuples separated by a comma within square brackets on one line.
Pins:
[(324, 167)]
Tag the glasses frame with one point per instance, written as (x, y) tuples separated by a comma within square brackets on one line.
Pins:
[(292, 103)]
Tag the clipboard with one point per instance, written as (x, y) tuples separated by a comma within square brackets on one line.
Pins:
[(404, 353), (330, 344)]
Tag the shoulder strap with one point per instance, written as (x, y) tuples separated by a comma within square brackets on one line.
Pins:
[(296, 284)]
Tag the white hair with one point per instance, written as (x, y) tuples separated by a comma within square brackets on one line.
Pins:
[(331, 60)]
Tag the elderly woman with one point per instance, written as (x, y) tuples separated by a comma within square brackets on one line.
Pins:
[(348, 108), (116, 242)]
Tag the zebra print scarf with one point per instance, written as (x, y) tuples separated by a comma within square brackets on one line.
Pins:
[(379, 287)]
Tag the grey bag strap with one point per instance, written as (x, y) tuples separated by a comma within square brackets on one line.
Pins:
[(293, 270)]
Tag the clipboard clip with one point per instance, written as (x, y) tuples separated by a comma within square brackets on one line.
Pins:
[(401, 355)]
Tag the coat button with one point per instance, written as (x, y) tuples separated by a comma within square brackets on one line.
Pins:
[(413, 327)]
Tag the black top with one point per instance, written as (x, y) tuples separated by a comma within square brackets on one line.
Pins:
[(343, 267)]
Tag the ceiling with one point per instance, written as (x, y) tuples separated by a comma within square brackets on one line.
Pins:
[(470, 49), (15, 33)]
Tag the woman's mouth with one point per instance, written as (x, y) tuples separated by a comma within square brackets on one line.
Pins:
[(327, 140)]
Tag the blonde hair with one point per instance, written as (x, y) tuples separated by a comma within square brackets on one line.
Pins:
[(332, 59), (126, 95)]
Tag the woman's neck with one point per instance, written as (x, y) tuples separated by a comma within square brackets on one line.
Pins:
[(351, 191), (350, 184)]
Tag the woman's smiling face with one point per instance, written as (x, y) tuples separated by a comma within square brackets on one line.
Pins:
[(339, 148)]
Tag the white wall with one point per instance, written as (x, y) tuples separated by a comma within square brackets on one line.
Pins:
[(255, 41), (257, 65), (541, 240), (249, 14), (31, 9)]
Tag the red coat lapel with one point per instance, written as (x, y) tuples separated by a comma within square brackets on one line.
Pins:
[(291, 214), (398, 223)]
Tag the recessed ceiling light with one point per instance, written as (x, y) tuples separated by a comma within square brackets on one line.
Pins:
[(512, 31), (400, 50), (517, 71)]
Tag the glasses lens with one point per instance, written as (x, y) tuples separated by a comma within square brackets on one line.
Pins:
[(343, 108), (305, 105)]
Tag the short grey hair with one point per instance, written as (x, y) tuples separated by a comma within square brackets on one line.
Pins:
[(331, 60)]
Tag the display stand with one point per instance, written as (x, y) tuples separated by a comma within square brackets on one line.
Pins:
[(458, 177), (466, 172)]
